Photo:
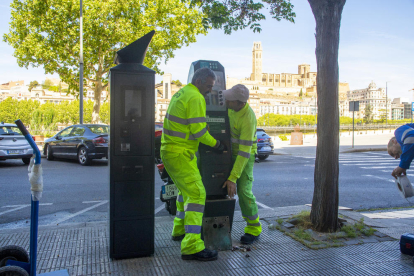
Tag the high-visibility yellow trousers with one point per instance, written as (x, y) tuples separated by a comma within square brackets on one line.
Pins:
[(183, 170), (247, 200)]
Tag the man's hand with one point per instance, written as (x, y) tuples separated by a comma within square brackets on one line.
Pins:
[(231, 188), (398, 171), (220, 147)]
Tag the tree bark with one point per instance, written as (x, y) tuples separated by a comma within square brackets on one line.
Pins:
[(324, 213), (97, 101)]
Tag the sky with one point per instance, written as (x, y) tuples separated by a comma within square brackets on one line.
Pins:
[(376, 44)]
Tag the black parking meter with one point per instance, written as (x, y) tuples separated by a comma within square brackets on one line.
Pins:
[(214, 167), (131, 158)]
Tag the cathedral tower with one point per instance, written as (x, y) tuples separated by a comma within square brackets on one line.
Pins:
[(257, 62)]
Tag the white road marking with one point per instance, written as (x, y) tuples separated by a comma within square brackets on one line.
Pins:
[(18, 207), (263, 206), (78, 213), (15, 209), (367, 168), (159, 209), (377, 153), (368, 160), (379, 177), (12, 206), (365, 164)]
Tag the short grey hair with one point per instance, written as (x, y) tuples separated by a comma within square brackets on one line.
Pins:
[(203, 74)]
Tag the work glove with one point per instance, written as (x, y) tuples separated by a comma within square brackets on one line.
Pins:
[(219, 147)]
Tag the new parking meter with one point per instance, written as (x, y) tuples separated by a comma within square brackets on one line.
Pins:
[(131, 158), (215, 168)]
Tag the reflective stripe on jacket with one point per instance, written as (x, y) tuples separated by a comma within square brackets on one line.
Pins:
[(185, 122), (405, 137), (243, 138)]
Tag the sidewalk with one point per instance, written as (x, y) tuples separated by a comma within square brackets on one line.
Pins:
[(362, 142), (82, 249)]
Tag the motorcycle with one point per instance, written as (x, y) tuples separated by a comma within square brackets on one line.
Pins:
[(168, 192)]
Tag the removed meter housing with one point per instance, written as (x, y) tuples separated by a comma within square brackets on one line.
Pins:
[(214, 167), (131, 159)]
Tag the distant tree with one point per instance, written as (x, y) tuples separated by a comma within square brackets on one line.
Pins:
[(32, 85), (46, 33), (47, 84), (177, 82), (345, 120), (54, 88), (383, 115), (300, 93), (104, 113), (368, 117)]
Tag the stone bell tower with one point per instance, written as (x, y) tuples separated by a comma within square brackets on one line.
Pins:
[(257, 62)]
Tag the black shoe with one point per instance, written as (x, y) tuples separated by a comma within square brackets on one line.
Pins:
[(205, 255), (248, 239), (178, 238)]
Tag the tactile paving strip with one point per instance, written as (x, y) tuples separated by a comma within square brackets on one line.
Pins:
[(84, 251)]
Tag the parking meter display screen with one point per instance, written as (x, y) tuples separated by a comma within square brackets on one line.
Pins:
[(133, 103), (216, 124)]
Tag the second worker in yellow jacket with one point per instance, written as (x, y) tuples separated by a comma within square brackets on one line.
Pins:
[(244, 148)]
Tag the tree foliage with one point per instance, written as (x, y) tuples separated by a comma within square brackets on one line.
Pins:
[(46, 33), (271, 119), (233, 15), (32, 85), (46, 117), (368, 116)]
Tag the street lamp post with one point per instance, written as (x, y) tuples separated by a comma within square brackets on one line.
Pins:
[(81, 68)]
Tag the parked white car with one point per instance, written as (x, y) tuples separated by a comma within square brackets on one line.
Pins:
[(13, 145)]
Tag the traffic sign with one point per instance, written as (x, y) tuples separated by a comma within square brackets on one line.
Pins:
[(412, 106)]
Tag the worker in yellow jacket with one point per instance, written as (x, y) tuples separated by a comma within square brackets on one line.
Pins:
[(184, 128), (244, 148)]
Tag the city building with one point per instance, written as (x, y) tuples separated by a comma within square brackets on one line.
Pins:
[(19, 91), (164, 92), (373, 96), (10, 84)]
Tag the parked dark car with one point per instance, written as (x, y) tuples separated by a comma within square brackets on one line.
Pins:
[(81, 142), (264, 144), (13, 145)]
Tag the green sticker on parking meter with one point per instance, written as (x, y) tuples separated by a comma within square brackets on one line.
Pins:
[(216, 124)]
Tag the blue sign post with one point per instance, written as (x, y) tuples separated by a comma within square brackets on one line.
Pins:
[(412, 110)]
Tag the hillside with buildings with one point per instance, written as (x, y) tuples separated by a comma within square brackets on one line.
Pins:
[(295, 94), (277, 93), (20, 91)]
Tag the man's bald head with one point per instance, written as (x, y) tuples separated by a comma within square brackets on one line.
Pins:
[(394, 149)]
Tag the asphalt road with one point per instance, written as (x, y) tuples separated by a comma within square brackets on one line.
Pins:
[(74, 193)]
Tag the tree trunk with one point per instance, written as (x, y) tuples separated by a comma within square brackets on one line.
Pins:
[(97, 102), (324, 213)]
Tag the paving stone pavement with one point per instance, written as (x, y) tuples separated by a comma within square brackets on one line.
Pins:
[(83, 249)]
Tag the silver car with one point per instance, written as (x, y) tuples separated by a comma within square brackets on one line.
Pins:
[(13, 145)]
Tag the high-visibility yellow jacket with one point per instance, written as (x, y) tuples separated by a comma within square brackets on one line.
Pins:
[(185, 122), (243, 138)]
